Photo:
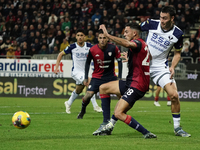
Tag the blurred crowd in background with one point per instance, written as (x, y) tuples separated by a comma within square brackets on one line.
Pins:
[(29, 27)]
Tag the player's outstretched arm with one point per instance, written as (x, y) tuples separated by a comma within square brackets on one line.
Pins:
[(56, 71), (120, 41)]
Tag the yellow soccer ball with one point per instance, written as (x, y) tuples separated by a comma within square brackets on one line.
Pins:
[(21, 119)]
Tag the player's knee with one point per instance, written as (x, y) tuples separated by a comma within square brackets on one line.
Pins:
[(174, 96), (78, 91), (103, 88)]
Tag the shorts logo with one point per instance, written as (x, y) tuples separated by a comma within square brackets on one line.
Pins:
[(109, 53), (89, 86)]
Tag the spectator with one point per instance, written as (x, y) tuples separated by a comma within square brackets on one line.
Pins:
[(24, 49), (36, 45), (84, 8), (43, 50), (117, 29), (55, 50), (32, 51), (4, 47), (132, 10), (150, 10), (196, 12), (182, 24), (194, 50), (72, 38), (50, 40), (119, 16), (197, 35), (52, 17), (64, 44), (60, 36), (100, 10), (112, 11), (90, 11), (193, 39), (10, 15), (10, 53), (57, 43), (96, 16), (16, 32), (18, 52), (141, 11), (1, 41), (90, 36), (14, 44), (45, 18), (67, 31), (65, 24), (189, 18)]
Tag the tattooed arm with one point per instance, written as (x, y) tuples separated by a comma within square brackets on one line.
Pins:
[(117, 40)]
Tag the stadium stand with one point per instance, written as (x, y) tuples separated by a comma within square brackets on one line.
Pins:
[(35, 29)]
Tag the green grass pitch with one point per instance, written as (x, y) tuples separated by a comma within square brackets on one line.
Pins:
[(51, 128)]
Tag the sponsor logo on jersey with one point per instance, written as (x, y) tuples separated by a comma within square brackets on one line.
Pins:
[(170, 37), (97, 55), (110, 53)]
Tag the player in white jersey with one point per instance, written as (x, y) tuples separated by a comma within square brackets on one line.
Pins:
[(78, 51), (162, 36)]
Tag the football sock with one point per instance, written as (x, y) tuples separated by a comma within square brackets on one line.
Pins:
[(72, 98), (156, 98), (176, 119), (136, 125), (93, 100), (113, 119), (84, 105), (168, 98), (105, 104)]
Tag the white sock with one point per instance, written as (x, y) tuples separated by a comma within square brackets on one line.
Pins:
[(176, 122), (72, 98), (93, 100), (113, 121)]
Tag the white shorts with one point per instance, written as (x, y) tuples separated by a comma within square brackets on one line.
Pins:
[(79, 77), (161, 76)]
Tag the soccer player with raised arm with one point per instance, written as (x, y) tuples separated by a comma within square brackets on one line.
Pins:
[(79, 51), (162, 36), (103, 55), (136, 84)]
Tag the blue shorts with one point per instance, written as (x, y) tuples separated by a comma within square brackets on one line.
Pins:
[(95, 84), (130, 94)]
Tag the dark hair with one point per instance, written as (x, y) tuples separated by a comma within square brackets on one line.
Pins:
[(169, 9), (80, 30), (134, 25), (100, 31)]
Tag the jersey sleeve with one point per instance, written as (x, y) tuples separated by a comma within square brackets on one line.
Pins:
[(69, 49), (149, 24), (139, 46), (179, 45)]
